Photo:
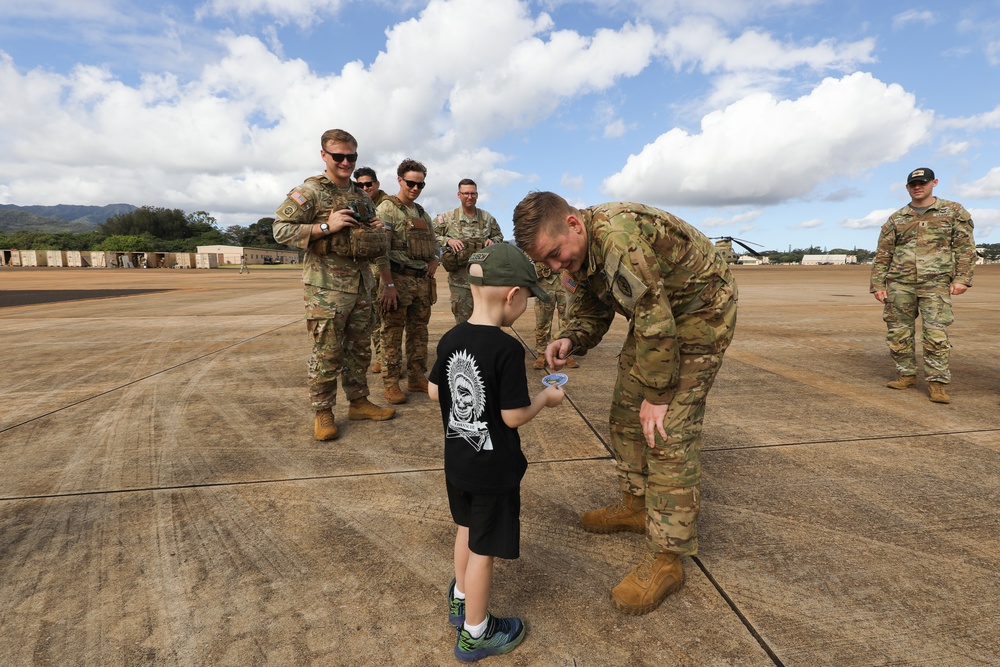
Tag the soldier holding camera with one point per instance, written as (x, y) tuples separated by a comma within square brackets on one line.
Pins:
[(408, 286), (461, 232), (334, 221)]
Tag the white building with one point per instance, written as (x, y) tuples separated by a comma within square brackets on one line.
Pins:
[(816, 260), (230, 254)]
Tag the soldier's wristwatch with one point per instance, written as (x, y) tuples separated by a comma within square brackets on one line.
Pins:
[(325, 228)]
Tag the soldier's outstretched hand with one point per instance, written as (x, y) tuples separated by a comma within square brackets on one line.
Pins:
[(556, 353)]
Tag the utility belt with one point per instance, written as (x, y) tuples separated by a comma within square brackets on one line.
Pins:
[(453, 261), (356, 242), (406, 270)]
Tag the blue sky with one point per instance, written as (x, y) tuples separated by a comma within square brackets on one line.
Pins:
[(785, 122)]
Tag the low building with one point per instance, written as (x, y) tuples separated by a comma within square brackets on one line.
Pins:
[(818, 260), (228, 254)]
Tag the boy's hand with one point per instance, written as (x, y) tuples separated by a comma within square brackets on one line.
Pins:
[(553, 396)]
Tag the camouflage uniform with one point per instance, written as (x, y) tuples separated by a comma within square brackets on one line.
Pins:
[(680, 299), (337, 291), (415, 293), (457, 225), (918, 258), (550, 282), (376, 316)]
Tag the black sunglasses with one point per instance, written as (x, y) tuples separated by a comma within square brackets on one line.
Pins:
[(340, 157), (366, 184), (419, 185)]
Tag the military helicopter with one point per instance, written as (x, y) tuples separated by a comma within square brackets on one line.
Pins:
[(725, 246)]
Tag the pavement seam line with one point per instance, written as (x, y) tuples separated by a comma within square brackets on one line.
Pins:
[(144, 378), (739, 614)]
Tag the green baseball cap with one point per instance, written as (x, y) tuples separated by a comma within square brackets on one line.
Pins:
[(505, 265)]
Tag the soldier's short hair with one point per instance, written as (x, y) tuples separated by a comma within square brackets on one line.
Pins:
[(537, 212), (365, 171), (409, 165), (337, 137), (467, 181)]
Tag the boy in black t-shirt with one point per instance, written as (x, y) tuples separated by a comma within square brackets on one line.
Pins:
[(480, 380)]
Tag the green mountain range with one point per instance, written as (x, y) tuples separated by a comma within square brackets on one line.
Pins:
[(55, 219)]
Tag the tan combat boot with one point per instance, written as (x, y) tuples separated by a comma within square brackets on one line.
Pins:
[(629, 515), (539, 363), (653, 579), (377, 367), (362, 408), (394, 394), (903, 382), (571, 363), (417, 384), (937, 393), (324, 427)]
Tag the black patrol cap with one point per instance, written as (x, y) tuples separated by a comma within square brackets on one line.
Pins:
[(922, 174)]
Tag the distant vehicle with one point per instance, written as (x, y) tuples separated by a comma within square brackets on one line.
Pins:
[(269, 260), (725, 246)]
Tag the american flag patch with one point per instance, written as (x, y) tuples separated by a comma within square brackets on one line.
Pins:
[(568, 282), (297, 196)]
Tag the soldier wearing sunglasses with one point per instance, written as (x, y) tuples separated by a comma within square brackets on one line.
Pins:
[(320, 216), (368, 180), (408, 286), (460, 233)]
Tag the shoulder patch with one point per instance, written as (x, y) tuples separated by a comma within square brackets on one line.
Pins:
[(298, 197), (626, 287)]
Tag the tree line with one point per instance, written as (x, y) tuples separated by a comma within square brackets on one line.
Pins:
[(148, 229)]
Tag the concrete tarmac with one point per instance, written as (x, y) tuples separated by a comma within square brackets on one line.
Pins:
[(162, 501)]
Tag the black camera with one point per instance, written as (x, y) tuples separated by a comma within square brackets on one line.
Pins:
[(362, 211)]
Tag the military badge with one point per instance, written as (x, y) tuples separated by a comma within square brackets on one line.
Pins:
[(555, 380)]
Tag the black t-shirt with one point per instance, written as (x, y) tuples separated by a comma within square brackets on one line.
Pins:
[(479, 372)]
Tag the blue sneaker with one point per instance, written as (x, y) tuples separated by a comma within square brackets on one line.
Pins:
[(456, 607), (501, 635)]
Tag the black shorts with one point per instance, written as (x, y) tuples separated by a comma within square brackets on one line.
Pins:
[(493, 520)]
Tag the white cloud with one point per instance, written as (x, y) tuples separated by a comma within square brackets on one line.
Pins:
[(614, 129), (810, 224), (298, 11), (573, 182), (911, 16), (699, 42), (993, 53), (875, 219), (987, 221), (764, 150), (986, 187), (955, 147), (983, 121), (736, 219)]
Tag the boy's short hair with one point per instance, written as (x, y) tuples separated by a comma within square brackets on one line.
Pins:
[(504, 265)]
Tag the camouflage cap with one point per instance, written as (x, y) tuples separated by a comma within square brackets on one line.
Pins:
[(922, 174), (505, 265)]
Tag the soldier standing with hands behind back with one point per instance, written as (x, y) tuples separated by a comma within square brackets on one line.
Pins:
[(677, 292), (321, 217), (925, 255)]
